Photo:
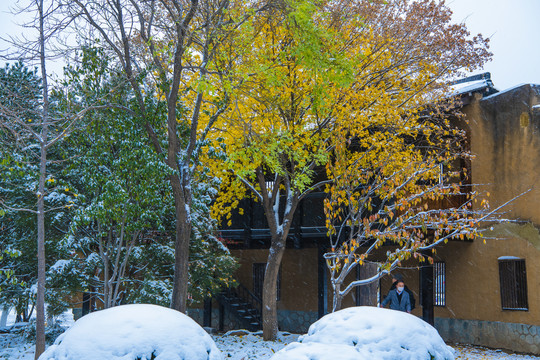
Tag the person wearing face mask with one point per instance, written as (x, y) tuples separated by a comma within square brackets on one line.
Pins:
[(395, 278), (398, 298)]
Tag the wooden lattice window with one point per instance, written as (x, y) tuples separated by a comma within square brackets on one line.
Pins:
[(513, 278), (439, 284), (258, 279)]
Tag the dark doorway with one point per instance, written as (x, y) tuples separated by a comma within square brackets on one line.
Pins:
[(259, 270)]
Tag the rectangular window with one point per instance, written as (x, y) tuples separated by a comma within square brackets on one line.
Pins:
[(439, 283), (258, 280), (513, 281)]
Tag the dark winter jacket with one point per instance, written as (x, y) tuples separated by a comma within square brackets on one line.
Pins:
[(395, 304), (411, 295)]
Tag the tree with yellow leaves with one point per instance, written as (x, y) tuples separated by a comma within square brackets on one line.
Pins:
[(342, 85), (397, 166)]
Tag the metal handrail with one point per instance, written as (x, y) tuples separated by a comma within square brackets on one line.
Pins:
[(246, 295), (253, 299)]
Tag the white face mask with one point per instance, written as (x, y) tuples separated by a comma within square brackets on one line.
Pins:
[(400, 288)]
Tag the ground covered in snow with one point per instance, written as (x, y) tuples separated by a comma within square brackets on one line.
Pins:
[(243, 345), (237, 345), (250, 346)]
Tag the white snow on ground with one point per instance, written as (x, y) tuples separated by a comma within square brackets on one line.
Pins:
[(134, 331), (241, 346), (366, 332), (16, 346)]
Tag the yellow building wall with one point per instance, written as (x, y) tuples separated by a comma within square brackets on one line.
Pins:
[(472, 279), (504, 137), (299, 284)]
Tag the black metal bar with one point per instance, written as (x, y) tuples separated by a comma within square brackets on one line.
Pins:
[(207, 315), (86, 304), (221, 317), (247, 295), (322, 281), (426, 280), (248, 225)]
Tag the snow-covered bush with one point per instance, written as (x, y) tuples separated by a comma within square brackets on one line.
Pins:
[(365, 332), (52, 331), (131, 332)]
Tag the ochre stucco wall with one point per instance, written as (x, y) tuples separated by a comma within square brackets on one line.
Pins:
[(504, 133), (472, 278), (505, 142)]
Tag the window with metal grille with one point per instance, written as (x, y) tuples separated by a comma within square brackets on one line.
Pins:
[(439, 284), (513, 278), (258, 279)]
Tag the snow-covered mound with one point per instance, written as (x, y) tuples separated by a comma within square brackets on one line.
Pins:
[(368, 333), (132, 332)]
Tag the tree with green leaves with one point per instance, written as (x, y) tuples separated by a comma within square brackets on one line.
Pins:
[(168, 49), (120, 235), (335, 85)]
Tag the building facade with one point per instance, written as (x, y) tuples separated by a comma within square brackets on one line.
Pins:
[(484, 292)]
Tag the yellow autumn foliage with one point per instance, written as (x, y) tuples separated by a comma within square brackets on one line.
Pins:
[(357, 88)]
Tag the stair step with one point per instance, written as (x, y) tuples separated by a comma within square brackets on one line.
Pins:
[(243, 308)]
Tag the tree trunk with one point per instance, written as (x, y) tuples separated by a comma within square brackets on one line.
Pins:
[(269, 312), (181, 253), (3, 318), (367, 294), (40, 296), (337, 298)]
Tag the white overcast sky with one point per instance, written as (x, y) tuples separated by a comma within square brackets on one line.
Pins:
[(514, 29), (512, 25)]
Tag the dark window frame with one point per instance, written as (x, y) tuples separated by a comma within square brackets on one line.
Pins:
[(439, 287), (513, 284), (442, 289), (258, 271)]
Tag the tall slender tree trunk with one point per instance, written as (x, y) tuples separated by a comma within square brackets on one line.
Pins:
[(181, 254), (279, 235), (269, 312), (40, 296)]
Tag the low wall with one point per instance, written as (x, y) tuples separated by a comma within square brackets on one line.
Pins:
[(494, 334), (297, 322), (77, 313), (230, 322)]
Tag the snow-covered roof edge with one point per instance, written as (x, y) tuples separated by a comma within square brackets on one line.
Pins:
[(509, 89), (475, 83)]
